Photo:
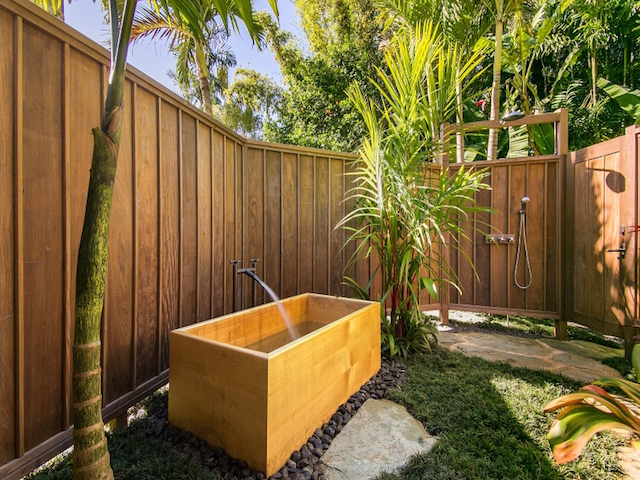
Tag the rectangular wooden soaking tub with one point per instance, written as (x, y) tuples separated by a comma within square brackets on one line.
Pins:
[(240, 383)]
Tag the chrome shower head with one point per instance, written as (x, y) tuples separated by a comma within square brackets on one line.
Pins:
[(525, 200), (512, 116)]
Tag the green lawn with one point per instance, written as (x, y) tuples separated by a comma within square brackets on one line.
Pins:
[(488, 418), (489, 421)]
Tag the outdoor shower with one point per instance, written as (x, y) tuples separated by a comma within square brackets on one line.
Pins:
[(522, 240)]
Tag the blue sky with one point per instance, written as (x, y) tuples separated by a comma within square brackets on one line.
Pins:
[(154, 59)]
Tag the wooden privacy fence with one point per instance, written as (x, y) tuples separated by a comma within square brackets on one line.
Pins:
[(601, 197), (491, 288), (190, 195)]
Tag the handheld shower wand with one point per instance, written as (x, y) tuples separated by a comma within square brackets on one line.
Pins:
[(522, 239)]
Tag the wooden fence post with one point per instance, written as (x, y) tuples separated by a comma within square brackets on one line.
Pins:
[(566, 304), (444, 250)]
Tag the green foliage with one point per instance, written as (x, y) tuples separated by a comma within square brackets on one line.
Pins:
[(628, 100), (314, 110), (249, 101), (405, 203), (590, 40), (330, 23), (202, 54), (54, 7)]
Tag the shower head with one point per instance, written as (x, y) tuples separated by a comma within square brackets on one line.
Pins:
[(512, 116), (525, 199)]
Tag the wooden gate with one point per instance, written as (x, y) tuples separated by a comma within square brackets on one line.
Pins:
[(601, 217)]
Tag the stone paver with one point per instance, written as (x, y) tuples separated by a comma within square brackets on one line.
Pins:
[(572, 359), (379, 438)]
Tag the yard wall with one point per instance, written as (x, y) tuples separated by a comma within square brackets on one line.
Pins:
[(190, 195), (602, 214)]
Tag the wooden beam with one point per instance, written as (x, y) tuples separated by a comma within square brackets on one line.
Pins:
[(486, 124), (67, 329), (18, 205), (444, 246)]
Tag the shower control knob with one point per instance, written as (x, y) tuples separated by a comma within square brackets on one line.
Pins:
[(500, 239), (510, 239)]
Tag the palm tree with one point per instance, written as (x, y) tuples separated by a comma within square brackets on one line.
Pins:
[(463, 24), (90, 455), (54, 7), (203, 49), (403, 211), (502, 8), (218, 59)]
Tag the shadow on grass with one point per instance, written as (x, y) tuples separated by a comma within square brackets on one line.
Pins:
[(489, 421), (138, 457)]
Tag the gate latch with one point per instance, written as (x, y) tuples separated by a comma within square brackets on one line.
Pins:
[(622, 250)]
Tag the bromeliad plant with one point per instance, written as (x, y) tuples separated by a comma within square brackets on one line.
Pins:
[(591, 410), (406, 203)]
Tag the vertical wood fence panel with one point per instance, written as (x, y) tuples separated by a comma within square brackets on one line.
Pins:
[(169, 228), (602, 197), (7, 245), (321, 226), (190, 195), (494, 289), (43, 236), (289, 248), (306, 224), (204, 222)]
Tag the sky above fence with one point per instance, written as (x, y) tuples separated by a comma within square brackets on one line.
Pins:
[(155, 60)]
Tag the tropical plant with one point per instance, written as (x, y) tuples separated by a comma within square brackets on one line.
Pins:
[(405, 202), (591, 410), (54, 7), (219, 58), (629, 100), (199, 47), (501, 10), (251, 99), (464, 23), (91, 455), (523, 46), (314, 110)]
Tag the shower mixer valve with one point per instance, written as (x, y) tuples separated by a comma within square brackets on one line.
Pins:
[(500, 238)]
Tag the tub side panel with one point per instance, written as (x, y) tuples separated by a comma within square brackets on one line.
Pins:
[(310, 380), (220, 395)]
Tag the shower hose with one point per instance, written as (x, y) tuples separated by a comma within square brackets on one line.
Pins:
[(522, 239)]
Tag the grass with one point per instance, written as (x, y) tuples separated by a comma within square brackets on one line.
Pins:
[(489, 420), (136, 457), (488, 417)]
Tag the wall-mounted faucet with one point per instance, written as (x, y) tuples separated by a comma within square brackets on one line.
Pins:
[(250, 272)]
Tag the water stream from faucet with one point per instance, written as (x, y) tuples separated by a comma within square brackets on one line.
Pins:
[(285, 316)]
